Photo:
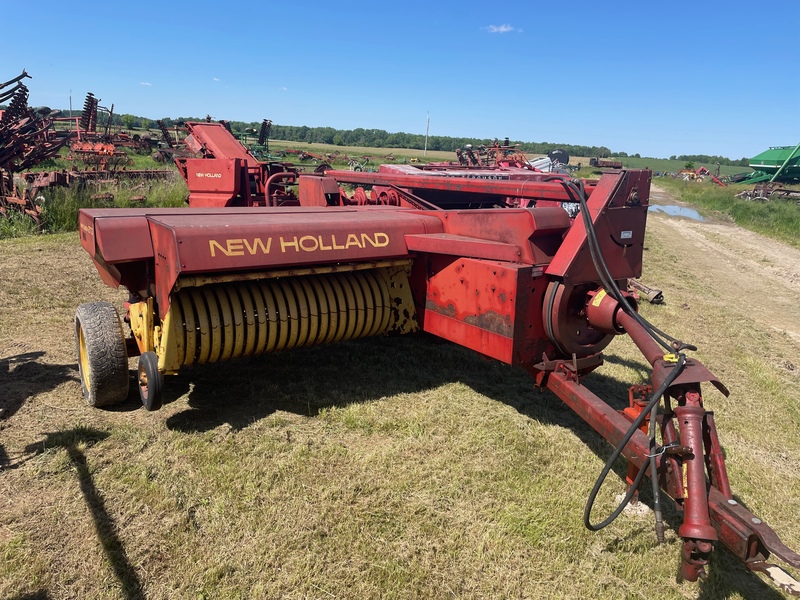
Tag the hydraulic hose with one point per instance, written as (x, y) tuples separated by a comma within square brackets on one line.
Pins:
[(578, 191), (653, 403), (654, 476)]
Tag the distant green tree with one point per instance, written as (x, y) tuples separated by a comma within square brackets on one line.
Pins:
[(689, 165), (145, 123), (128, 121)]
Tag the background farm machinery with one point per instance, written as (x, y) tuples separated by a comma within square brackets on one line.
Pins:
[(221, 172), (26, 139), (227, 174), (778, 164), (93, 145), (99, 154), (773, 171), (506, 154), (493, 264), (485, 156), (763, 192), (604, 163), (30, 136)]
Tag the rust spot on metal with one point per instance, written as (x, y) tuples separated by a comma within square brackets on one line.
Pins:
[(494, 322), (447, 311)]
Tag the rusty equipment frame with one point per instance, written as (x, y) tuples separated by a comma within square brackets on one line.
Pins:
[(528, 285), (101, 149), (764, 192), (652, 295), (26, 139), (492, 155)]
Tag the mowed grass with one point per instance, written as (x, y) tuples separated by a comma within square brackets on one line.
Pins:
[(381, 468)]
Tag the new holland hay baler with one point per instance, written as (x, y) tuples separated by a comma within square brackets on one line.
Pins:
[(527, 286)]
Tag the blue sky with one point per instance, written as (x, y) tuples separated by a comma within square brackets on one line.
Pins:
[(653, 78)]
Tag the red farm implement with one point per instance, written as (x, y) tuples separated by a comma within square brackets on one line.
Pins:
[(493, 263), (491, 155), (227, 174)]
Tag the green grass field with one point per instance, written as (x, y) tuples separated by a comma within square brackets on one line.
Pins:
[(673, 166), (778, 219)]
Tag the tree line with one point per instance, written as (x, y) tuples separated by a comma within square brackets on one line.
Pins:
[(368, 138), (379, 138), (705, 158)]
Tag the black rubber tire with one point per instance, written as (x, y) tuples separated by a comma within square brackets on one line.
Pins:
[(150, 381), (102, 354)]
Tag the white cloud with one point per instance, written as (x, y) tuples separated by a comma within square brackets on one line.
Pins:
[(501, 28), (283, 89), (215, 79), (146, 83)]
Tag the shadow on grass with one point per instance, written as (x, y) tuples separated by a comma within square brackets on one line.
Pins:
[(728, 577), (308, 380), (37, 595), (72, 441), (21, 377)]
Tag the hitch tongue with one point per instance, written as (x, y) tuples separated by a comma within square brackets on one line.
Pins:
[(752, 541)]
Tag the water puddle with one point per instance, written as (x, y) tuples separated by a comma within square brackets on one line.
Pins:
[(677, 211)]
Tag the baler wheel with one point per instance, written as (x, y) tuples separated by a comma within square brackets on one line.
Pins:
[(102, 354), (151, 381)]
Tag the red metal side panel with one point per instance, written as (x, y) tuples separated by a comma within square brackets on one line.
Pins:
[(318, 191), (219, 141), (459, 245), (277, 238), (515, 227), (86, 231), (618, 209), (112, 241), (489, 306), (213, 181), (123, 240)]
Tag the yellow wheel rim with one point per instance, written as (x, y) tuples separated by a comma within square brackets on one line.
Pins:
[(84, 359)]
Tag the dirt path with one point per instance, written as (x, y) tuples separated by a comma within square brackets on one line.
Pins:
[(759, 275)]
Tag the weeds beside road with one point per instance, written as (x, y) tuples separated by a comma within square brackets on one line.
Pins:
[(778, 219)]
